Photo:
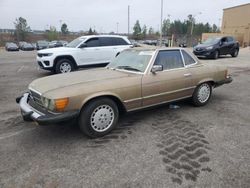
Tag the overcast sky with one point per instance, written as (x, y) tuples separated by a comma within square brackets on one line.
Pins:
[(103, 15)]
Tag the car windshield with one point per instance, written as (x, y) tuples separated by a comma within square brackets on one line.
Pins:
[(75, 43), (211, 40), (131, 60)]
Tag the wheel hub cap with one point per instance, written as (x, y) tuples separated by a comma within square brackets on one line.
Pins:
[(102, 118), (204, 93), (65, 67)]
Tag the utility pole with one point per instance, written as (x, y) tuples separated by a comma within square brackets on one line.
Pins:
[(161, 23), (117, 25), (128, 19)]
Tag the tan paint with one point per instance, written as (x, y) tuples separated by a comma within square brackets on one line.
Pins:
[(134, 90)]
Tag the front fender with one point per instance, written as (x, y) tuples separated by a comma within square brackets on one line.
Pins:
[(100, 94)]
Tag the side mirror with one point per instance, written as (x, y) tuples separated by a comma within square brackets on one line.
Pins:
[(83, 45), (156, 68)]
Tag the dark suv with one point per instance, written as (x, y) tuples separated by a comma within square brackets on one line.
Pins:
[(216, 46)]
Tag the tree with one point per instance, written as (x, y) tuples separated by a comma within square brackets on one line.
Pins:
[(22, 29), (144, 31), (214, 28), (90, 32), (137, 30), (64, 28), (52, 33), (151, 31), (165, 27)]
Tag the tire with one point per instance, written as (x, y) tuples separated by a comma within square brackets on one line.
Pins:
[(216, 54), (202, 94), (64, 66), (99, 117), (235, 53)]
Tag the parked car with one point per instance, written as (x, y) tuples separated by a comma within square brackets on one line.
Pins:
[(27, 47), (137, 78), (215, 46), (21, 43), (42, 44), (55, 44), (85, 50), (63, 42), (150, 42), (11, 46)]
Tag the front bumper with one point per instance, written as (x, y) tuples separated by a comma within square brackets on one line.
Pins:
[(228, 80), (44, 117), (203, 53)]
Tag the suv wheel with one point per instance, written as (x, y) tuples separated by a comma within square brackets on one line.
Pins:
[(202, 94), (216, 54), (235, 53), (99, 117), (64, 66)]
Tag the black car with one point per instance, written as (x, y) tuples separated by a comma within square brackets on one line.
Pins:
[(11, 46), (42, 44), (55, 43), (215, 46), (27, 47)]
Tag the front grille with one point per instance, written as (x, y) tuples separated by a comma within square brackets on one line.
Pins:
[(36, 97), (199, 49)]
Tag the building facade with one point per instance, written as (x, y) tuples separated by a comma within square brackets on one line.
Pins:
[(236, 22)]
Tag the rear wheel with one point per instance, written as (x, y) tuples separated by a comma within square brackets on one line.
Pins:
[(99, 117), (202, 94), (64, 66), (235, 53)]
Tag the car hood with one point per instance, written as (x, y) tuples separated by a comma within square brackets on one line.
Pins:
[(203, 45), (57, 50), (69, 80)]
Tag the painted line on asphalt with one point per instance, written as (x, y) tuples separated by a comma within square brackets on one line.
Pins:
[(21, 68), (15, 133)]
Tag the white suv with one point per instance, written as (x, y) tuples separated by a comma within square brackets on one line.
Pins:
[(83, 51)]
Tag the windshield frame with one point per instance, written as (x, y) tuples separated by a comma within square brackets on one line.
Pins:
[(136, 72)]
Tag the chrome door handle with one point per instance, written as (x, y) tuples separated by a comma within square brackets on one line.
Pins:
[(187, 74)]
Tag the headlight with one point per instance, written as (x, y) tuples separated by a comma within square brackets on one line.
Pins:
[(48, 103), (55, 104), (209, 48)]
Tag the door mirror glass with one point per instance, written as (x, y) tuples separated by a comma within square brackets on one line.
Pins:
[(156, 68)]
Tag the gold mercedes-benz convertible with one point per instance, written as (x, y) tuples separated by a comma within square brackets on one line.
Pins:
[(137, 78)]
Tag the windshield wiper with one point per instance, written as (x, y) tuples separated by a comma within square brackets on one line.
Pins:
[(128, 68)]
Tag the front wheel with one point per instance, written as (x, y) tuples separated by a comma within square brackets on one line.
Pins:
[(64, 66), (99, 117), (235, 53), (216, 54), (202, 94)]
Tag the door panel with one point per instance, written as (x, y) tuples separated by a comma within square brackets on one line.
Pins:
[(166, 86)]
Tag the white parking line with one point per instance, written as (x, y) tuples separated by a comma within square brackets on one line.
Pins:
[(15, 133), (20, 68)]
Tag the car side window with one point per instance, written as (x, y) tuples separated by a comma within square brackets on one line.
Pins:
[(120, 41), (169, 59), (106, 41), (187, 58), (224, 39), (230, 39), (93, 42)]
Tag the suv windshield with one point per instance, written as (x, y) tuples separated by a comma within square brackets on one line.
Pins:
[(211, 40), (75, 43), (132, 60)]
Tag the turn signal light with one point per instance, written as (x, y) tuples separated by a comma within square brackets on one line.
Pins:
[(60, 104)]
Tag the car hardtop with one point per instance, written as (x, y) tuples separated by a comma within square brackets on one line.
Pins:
[(93, 36)]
